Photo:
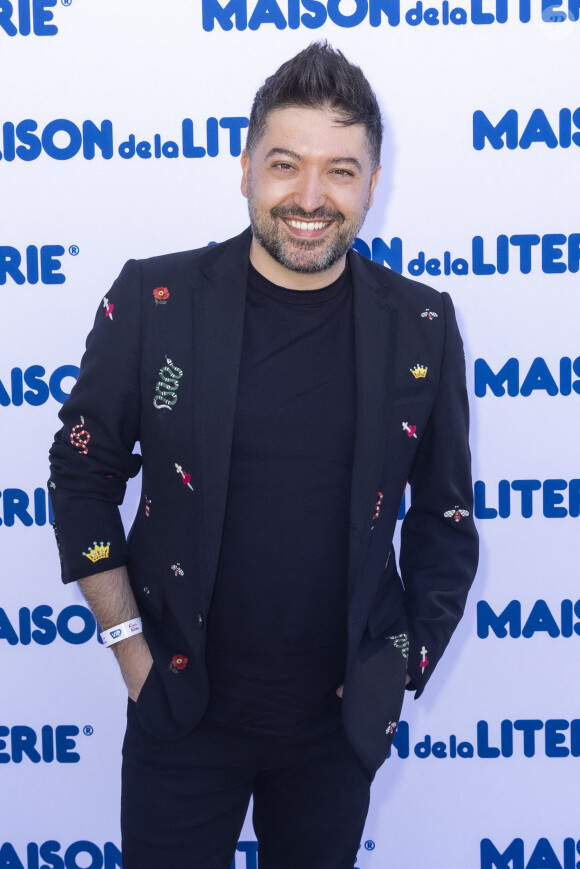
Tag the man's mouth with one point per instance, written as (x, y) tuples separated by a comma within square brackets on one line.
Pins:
[(306, 225)]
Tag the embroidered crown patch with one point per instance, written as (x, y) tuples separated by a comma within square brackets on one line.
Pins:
[(419, 371), (98, 551)]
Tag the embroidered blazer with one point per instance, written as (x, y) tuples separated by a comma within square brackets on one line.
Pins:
[(160, 371)]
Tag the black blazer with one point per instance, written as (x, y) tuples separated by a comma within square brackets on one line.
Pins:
[(161, 369)]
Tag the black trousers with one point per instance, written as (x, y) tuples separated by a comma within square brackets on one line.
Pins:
[(184, 801)]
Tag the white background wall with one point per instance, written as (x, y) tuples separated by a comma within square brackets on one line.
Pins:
[(145, 66)]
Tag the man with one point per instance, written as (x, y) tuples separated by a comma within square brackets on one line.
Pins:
[(283, 390)]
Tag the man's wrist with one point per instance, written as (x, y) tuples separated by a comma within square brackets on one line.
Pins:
[(122, 631)]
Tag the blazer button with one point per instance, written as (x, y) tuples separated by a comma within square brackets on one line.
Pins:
[(200, 621), (146, 589)]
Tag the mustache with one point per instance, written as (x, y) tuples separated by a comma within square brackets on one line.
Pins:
[(297, 213)]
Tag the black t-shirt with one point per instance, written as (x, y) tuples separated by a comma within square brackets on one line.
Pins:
[(277, 625)]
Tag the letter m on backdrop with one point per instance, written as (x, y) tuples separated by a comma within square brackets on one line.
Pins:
[(212, 11), (512, 857), (484, 376), (484, 130), (510, 617)]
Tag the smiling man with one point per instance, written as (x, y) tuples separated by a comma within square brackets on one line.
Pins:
[(283, 390), (307, 202)]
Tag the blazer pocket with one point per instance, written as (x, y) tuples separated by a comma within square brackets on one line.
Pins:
[(388, 606)]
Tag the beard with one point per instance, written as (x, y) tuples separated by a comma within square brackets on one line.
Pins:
[(304, 255)]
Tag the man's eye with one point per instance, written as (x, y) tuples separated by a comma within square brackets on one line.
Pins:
[(343, 173), (284, 166)]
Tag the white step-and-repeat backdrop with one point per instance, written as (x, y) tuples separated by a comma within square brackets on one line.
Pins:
[(121, 125)]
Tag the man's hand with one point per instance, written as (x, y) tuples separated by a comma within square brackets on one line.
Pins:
[(135, 662), (111, 599)]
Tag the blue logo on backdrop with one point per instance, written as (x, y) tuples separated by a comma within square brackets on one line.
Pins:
[(28, 17), (512, 132), (75, 624), (539, 620), (40, 387), (64, 139), (16, 504), (553, 253), (246, 856), (557, 499), (45, 744), (313, 14), (248, 853), (543, 855), (75, 856), (524, 737), (34, 265), (560, 379)]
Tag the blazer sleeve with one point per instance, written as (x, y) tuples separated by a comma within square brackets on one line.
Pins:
[(439, 542), (92, 455)]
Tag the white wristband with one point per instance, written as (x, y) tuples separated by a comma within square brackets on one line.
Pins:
[(121, 632)]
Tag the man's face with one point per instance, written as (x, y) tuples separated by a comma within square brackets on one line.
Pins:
[(309, 184)]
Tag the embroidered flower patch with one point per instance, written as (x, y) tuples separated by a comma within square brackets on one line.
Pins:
[(160, 294), (178, 662)]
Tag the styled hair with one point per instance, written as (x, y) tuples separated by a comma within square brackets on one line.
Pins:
[(319, 77)]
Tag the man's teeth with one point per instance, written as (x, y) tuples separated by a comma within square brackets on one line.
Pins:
[(305, 224)]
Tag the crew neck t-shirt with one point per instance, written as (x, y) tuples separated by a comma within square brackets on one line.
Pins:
[(276, 642)]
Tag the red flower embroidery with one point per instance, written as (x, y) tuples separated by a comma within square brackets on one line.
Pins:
[(160, 294), (178, 662)]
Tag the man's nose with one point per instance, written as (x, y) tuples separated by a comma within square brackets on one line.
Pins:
[(310, 192)]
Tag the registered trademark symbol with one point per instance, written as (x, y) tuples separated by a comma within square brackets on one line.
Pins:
[(73, 249), (66, 2), (369, 845), (87, 729)]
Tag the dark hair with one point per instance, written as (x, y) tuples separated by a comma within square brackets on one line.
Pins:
[(320, 76)]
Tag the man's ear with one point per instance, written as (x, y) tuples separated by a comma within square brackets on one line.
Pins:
[(374, 182), (245, 161)]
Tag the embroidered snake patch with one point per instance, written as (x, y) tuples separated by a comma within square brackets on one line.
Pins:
[(167, 386)]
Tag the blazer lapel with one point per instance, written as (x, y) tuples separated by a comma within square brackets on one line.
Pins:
[(218, 334), (375, 322)]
